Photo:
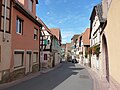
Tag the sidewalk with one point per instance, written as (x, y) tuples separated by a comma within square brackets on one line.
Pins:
[(100, 83), (28, 77)]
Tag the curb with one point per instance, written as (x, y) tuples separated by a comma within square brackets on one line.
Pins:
[(95, 77)]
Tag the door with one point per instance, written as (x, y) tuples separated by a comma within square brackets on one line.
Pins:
[(105, 57), (28, 62)]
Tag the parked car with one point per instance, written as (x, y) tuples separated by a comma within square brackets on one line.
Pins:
[(69, 60), (74, 61)]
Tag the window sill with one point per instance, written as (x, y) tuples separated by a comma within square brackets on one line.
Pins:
[(19, 67), (18, 33)]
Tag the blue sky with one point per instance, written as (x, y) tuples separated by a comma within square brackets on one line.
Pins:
[(71, 16)]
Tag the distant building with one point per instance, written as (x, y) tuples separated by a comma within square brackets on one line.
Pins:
[(63, 47), (85, 47), (45, 46), (68, 51), (56, 45), (73, 45)]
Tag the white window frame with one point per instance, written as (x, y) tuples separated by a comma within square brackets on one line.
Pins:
[(35, 34), (19, 23)]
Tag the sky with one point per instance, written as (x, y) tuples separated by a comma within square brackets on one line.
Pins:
[(71, 16)]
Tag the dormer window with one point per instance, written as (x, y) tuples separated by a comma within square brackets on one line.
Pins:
[(30, 5)]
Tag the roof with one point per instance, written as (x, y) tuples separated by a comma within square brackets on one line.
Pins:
[(75, 37), (80, 36), (56, 32), (44, 25), (97, 10), (85, 36), (36, 1), (63, 45)]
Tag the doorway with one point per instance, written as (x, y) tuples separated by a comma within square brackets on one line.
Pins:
[(28, 62), (105, 57)]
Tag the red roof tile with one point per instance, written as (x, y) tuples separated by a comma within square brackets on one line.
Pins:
[(86, 40)]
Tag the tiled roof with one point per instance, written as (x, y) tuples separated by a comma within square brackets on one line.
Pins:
[(97, 9), (75, 37), (100, 12), (44, 25), (63, 45), (56, 32), (85, 36)]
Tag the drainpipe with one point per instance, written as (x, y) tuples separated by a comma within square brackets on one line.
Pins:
[(40, 50), (5, 10)]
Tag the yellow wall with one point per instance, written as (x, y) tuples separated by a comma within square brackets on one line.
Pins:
[(112, 32)]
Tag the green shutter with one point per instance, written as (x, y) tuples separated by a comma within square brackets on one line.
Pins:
[(45, 42)]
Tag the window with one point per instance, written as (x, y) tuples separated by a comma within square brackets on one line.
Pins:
[(35, 34), (18, 59), (30, 5), (22, 1), (35, 57), (45, 56), (8, 19), (19, 28), (48, 41), (45, 41)]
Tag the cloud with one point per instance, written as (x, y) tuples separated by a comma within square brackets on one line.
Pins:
[(48, 13), (50, 25), (64, 40), (65, 1), (47, 2), (66, 36), (63, 20), (90, 6)]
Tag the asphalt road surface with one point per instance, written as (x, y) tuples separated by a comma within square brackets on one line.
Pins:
[(68, 76)]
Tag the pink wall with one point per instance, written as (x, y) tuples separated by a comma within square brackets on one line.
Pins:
[(25, 5), (25, 41)]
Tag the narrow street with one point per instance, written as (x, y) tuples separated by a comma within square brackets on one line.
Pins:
[(68, 76)]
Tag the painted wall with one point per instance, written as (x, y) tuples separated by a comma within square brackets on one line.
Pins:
[(57, 50), (5, 52), (25, 4), (25, 41), (5, 44), (112, 32)]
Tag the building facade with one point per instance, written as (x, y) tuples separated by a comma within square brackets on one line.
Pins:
[(110, 41), (5, 38), (74, 42), (85, 47), (68, 52), (56, 46), (63, 47), (21, 38), (96, 26)]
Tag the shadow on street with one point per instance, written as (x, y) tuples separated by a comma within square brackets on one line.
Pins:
[(50, 80)]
